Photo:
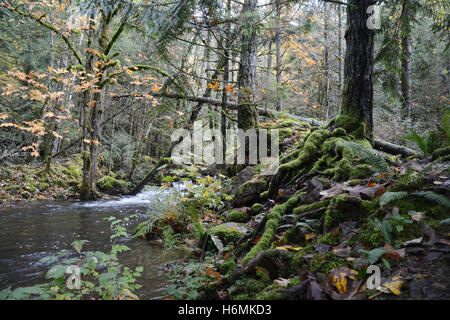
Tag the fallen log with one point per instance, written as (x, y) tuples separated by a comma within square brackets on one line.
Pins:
[(378, 144)]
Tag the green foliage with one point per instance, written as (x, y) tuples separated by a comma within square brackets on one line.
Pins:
[(432, 140), (374, 254), (388, 197), (367, 155), (433, 197), (186, 280)]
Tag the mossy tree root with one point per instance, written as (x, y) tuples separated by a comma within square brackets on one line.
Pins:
[(305, 158), (271, 226)]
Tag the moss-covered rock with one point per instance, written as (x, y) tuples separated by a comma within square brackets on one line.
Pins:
[(347, 208), (257, 208), (249, 192), (229, 232), (238, 216), (111, 185)]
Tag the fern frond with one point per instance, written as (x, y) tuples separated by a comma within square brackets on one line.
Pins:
[(432, 142), (392, 196), (411, 179), (414, 137), (434, 197), (367, 156)]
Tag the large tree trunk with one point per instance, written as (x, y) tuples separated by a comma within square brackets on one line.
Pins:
[(356, 111), (341, 69), (406, 60), (247, 115), (279, 102), (326, 63), (93, 116)]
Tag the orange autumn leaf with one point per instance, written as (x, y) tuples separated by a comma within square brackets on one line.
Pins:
[(380, 191), (91, 104), (229, 88)]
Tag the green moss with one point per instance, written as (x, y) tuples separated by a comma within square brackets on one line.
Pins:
[(272, 292), (74, 171), (43, 186), (271, 226), (226, 232), (227, 267), (347, 208), (293, 236), (31, 188), (263, 275), (238, 216), (369, 237), (308, 152), (362, 171), (328, 238), (352, 125), (264, 195), (294, 281), (298, 260), (59, 182), (257, 208), (111, 185), (310, 207), (285, 133)]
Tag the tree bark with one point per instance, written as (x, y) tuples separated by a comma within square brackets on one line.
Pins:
[(279, 102), (356, 111), (247, 115), (326, 58), (406, 60)]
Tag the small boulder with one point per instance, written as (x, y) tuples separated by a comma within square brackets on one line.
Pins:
[(249, 192), (229, 232)]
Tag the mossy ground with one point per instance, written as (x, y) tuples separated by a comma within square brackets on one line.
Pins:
[(319, 241), (31, 182)]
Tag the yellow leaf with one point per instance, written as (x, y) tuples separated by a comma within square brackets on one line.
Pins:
[(394, 285), (340, 283), (286, 248), (309, 236), (214, 85)]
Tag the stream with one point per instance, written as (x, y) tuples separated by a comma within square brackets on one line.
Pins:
[(32, 231)]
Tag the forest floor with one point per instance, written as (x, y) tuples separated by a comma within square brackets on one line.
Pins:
[(312, 232)]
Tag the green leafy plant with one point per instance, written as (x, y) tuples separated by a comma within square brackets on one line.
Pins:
[(367, 156), (432, 140), (186, 280)]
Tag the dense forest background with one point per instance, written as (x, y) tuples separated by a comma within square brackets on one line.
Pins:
[(116, 77), (91, 92)]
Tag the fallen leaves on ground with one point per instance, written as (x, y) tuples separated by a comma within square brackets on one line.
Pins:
[(366, 192)]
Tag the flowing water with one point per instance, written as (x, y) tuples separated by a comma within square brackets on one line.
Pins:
[(36, 230)]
